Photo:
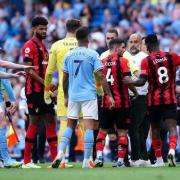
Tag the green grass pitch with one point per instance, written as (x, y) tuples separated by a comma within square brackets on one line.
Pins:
[(105, 173)]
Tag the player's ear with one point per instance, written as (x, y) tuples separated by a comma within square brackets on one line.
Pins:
[(33, 30), (115, 49)]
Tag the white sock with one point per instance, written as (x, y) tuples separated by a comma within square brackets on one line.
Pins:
[(172, 151), (99, 153)]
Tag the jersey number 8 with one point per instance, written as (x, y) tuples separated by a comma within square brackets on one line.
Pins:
[(163, 75)]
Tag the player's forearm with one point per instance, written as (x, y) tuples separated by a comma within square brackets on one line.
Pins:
[(48, 79), (7, 64), (105, 86), (4, 75), (35, 76), (65, 86), (139, 82)]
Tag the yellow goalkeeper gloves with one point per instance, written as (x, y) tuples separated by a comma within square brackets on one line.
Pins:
[(47, 95)]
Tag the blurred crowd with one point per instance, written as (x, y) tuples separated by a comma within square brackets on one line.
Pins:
[(127, 16)]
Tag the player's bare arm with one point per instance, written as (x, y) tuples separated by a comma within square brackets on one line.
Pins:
[(105, 86), (140, 82), (11, 65), (4, 75), (131, 87), (33, 74), (65, 87)]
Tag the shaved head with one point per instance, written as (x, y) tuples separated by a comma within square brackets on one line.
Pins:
[(134, 43)]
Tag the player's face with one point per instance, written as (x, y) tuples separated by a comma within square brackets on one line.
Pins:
[(120, 49), (40, 31), (109, 37), (143, 46), (134, 45)]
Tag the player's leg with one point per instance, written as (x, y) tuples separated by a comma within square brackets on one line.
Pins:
[(106, 122), (73, 116), (157, 143), (51, 135), (90, 113), (3, 142), (5, 157), (65, 140), (29, 141), (122, 147), (155, 116), (170, 116), (171, 125), (97, 125), (122, 121)]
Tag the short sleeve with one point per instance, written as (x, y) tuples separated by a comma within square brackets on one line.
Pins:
[(176, 58), (97, 63), (28, 51), (125, 67), (144, 67)]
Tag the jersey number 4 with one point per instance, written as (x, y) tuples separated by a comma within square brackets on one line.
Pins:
[(163, 75), (109, 76)]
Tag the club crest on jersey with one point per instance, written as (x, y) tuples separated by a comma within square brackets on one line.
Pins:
[(27, 50)]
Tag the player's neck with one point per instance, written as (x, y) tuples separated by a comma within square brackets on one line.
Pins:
[(154, 50), (83, 44), (39, 39), (70, 35)]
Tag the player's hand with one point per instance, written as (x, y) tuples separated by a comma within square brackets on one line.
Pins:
[(47, 97), (12, 109), (66, 102), (112, 103), (20, 73), (53, 87)]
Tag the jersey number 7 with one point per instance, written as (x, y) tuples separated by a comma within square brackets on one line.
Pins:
[(78, 62)]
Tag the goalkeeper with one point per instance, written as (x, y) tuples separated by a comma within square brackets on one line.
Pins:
[(56, 58)]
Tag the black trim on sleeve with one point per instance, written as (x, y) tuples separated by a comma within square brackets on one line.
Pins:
[(127, 74), (26, 59), (143, 76)]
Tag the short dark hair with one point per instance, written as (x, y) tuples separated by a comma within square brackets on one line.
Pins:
[(72, 25), (115, 41), (151, 39), (112, 30), (82, 33), (39, 20)]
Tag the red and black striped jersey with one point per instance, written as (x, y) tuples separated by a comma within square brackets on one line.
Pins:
[(115, 68), (160, 69), (34, 51)]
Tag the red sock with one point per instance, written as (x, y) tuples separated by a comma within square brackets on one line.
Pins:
[(29, 141), (157, 146), (122, 146), (100, 141), (172, 142), (52, 139)]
